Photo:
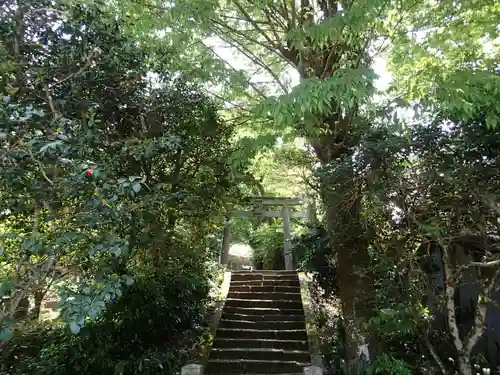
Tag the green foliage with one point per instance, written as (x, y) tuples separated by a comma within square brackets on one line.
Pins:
[(266, 241), (460, 160), (449, 61), (435, 179), (102, 171), (143, 332), (267, 245), (443, 185), (313, 253), (284, 170), (77, 94), (386, 364), (400, 321)]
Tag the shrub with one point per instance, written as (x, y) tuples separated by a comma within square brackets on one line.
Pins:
[(267, 244), (143, 332), (313, 253)]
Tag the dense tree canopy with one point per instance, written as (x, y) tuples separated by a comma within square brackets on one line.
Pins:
[(128, 130), (102, 170)]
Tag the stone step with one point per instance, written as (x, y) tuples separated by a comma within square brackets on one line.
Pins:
[(264, 295), (265, 311), (276, 325), (289, 334), (247, 288), (263, 303), (261, 354), (260, 318), (288, 373), (266, 283), (230, 366), (262, 329), (267, 272), (263, 277), (260, 343)]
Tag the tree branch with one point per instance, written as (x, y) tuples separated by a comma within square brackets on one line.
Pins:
[(256, 25), (40, 165), (450, 281), (259, 91), (479, 320), (88, 61), (255, 59), (493, 263), (273, 47), (270, 20), (433, 352)]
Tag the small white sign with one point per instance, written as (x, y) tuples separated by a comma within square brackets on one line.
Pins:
[(313, 370), (192, 370)]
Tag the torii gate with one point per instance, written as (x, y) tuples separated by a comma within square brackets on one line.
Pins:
[(260, 209)]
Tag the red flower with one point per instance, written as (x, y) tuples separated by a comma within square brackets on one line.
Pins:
[(89, 172)]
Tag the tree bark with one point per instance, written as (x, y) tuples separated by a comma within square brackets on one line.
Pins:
[(312, 215), (353, 265), (22, 309), (226, 241), (39, 294), (453, 272)]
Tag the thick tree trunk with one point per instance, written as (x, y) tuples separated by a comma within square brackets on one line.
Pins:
[(334, 142), (354, 276), (341, 195)]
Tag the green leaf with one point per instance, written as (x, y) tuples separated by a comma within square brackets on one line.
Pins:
[(6, 287), (491, 122), (5, 334), (120, 368), (51, 145), (388, 312)]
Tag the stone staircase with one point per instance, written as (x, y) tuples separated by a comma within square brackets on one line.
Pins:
[(262, 328)]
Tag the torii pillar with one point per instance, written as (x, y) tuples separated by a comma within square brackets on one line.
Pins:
[(287, 238)]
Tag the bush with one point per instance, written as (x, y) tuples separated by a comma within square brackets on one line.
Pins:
[(146, 331), (313, 253), (267, 244)]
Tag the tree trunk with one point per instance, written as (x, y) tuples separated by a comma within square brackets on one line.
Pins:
[(342, 203), (39, 294), (22, 309), (226, 241), (312, 215), (353, 275), (464, 365)]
